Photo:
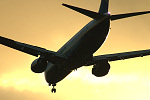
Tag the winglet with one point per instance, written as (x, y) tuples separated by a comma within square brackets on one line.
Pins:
[(88, 13)]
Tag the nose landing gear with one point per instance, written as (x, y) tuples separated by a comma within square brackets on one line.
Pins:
[(53, 89)]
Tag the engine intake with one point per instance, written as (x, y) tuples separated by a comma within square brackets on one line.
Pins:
[(101, 69), (39, 65)]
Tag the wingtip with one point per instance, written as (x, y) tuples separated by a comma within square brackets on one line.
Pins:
[(63, 4), (66, 5)]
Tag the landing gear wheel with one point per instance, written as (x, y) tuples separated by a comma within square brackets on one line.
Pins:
[(53, 90)]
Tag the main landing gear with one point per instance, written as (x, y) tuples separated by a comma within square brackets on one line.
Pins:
[(53, 89)]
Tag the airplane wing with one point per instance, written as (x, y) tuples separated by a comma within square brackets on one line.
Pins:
[(51, 56), (119, 56)]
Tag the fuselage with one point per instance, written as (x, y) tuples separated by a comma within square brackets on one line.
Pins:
[(79, 49)]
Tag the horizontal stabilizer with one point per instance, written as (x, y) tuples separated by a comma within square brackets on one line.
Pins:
[(121, 16), (88, 13)]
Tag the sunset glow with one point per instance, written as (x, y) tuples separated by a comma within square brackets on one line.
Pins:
[(47, 24)]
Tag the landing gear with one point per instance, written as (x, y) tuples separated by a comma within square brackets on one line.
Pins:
[(53, 89)]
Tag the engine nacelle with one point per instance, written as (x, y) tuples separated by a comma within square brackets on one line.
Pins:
[(39, 65), (101, 69)]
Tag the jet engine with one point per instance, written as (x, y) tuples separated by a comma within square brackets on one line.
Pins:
[(101, 69), (39, 65)]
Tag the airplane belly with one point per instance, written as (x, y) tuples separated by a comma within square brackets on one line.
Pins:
[(91, 41), (55, 73)]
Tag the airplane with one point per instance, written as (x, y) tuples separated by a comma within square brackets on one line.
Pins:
[(79, 50)]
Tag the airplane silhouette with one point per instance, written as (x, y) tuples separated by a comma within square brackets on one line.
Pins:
[(79, 50)]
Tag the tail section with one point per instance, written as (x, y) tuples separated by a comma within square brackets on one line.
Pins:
[(104, 6), (103, 12)]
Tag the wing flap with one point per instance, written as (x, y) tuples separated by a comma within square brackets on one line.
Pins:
[(119, 56), (51, 56), (32, 50)]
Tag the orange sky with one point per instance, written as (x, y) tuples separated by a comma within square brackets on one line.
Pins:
[(47, 24)]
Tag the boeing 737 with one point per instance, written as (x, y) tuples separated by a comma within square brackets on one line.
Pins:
[(79, 50)]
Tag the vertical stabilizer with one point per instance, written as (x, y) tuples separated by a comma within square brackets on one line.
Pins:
[(104, 6)]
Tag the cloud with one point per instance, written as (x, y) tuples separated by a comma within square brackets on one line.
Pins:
[(84, 74), (28, 86), (24, 80), (13, 94)]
